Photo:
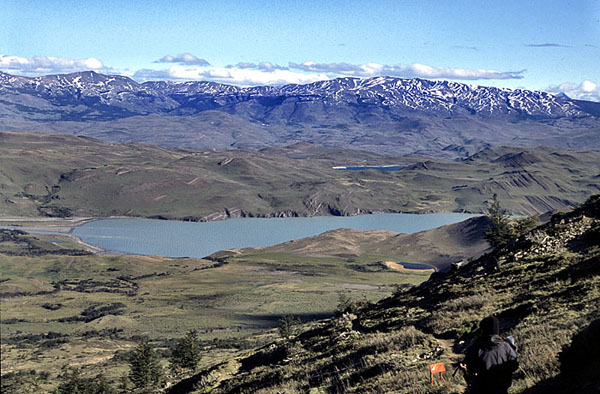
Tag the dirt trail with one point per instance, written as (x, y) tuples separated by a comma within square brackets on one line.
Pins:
[(454, 358)]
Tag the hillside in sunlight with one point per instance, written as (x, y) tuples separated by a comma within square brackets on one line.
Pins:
[(62, 176)]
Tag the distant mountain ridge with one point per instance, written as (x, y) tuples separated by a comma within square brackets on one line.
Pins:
[(395, 93), (381, 114)]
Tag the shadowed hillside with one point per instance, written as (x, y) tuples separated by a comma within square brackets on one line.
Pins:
[(544, 288)]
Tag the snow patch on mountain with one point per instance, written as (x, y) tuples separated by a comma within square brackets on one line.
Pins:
[(441, 97)]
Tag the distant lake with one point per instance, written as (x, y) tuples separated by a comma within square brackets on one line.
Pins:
[(190, 239), (380, 168)]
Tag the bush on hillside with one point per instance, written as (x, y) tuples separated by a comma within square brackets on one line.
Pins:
[(287, 325), (348, 305), (74, 383)]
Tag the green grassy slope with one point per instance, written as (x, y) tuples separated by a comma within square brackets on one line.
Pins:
[(58, 175), (544, 288)]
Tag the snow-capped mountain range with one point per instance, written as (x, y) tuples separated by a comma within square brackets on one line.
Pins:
[(384, 114), (441, 97)]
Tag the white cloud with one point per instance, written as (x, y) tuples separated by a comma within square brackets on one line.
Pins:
[(43, 65), (414, 70), (265, 66), (586, 90), (339, 68), (184, 58), (231, 75), (242, 65), (146, 74), (548, 45), (190, 67), (266, 73), (268, 66)]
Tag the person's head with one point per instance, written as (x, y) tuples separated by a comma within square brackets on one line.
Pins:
[(490, 326)]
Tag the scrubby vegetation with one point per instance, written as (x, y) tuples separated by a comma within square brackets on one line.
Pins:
[(74, 383), (19, 243)]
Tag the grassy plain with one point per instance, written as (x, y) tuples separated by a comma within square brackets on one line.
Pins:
[(89, 310)]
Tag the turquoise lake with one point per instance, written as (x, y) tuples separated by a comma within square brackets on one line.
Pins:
[(189, 239)]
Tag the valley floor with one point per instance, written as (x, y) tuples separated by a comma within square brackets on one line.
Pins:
[(62, 306)]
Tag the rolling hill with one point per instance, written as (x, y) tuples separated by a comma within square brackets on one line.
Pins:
[(437, 247), (59, 175)]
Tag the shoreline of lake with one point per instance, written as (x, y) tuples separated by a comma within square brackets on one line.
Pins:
[(201, 239), (56, 226), (106, 244), (42, 223)]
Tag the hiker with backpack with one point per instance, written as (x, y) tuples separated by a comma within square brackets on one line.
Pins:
[(490, 361)]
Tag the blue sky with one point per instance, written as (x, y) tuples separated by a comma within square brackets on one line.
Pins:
[(545, 45)]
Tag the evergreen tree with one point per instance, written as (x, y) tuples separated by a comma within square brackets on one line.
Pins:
[(145, 368), (187, 353), (502, 230), (499, 233), (286, 326)]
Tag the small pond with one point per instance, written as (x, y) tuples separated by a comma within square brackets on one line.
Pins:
[(380, 168)]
